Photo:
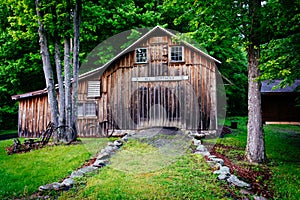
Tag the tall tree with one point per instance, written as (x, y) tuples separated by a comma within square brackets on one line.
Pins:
[(245, 19), (76, 25), (48, 72), (255, 149)]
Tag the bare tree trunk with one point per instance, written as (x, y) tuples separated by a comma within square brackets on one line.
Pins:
[(255, 150), (60, 80), (67, 71), (77, 17), (48, 72), (67, 66)]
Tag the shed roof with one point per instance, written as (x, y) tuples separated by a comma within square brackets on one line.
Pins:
[(267, 87), (29, 94)]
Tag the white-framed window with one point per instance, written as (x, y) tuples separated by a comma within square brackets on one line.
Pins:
[(88, 109), (141, 55), (93, 89), (177, 54)]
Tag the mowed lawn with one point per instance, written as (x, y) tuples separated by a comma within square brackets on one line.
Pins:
[(186, 177), (22, 174)]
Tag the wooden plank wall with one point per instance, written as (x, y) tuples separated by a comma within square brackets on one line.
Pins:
[(187, 104), (34, 115)]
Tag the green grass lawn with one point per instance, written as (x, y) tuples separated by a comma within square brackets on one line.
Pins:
[(22, 174), (185, 177), (282, 144)]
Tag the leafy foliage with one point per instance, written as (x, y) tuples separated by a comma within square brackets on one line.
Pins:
[(220, 27)]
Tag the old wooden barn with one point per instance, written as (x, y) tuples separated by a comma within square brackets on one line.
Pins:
[(156, 81)]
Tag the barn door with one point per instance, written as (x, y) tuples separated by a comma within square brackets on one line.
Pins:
[(157, 104)]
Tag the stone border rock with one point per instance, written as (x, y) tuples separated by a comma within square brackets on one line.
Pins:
[(101, 161), (223, 171)]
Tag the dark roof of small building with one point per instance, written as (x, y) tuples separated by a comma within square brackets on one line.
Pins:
[(267, 87), (29, 94)]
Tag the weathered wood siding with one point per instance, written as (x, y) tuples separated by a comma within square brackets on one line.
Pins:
[(34, 115), (189, 104)]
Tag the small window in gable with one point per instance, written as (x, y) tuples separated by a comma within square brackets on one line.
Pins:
[(141, 55), (177, 54), (93, 89)]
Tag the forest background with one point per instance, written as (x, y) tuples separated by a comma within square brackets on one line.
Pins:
[(215, 25)]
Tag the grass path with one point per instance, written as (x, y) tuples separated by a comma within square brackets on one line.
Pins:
[(188, 177)]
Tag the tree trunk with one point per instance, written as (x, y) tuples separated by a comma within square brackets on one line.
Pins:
[(60, 80), (67, 71), (77, 16), (48, 72), (67, 67), (255, 151)]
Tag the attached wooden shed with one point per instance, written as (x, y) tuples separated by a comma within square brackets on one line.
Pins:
[(280, 105), (156, 81)]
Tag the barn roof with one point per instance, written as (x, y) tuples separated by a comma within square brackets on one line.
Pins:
[(267, 87), (155, 30)]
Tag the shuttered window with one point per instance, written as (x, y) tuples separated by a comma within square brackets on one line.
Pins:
[(93, 89)]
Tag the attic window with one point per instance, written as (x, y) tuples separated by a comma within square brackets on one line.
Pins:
[(93, 89), (141, 55), (176, 54)]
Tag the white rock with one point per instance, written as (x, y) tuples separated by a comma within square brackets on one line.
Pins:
[(217, 160), (99, 163), (237, 182), (77, 173), (223, 170), (196, 142), (87, 169), (68, 182), (204, 153), (103, 156), (201, 148), (212, 156), (222, 176), (118, 143), (125, 138), (259, 198)]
